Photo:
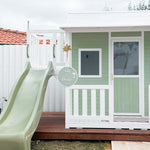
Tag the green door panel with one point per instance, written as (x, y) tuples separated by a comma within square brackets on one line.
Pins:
[(126, 95)]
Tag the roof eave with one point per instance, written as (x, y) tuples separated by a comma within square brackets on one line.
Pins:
[(105, 28)]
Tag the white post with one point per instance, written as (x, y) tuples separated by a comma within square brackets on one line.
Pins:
[(68, 40), (111, 104), (28, 39), (76, 103), (84, 102), (68, 112), (102, 102), (93, 102)]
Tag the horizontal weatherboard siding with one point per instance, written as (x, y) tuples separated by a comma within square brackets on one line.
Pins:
[(125, 34)]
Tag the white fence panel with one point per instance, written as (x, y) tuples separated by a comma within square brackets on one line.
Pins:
[(12, 62)]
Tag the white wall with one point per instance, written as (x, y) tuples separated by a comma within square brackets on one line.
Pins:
[(12, 62)]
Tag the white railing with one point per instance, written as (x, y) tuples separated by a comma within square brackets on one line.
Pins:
[(77, 104), (88, 113), (41, 48)]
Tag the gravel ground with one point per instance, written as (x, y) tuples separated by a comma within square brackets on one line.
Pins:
[(70, 145)]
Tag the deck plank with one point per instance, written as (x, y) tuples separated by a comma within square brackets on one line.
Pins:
[(52, 126)]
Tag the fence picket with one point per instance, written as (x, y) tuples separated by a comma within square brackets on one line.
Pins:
[(102, 102), (93, 102), (84, 102), (76, 103)]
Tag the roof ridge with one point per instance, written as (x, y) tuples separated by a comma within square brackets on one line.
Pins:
[(13, 31), (8, 36), (107, 12)]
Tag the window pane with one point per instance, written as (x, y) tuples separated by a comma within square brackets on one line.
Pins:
[(89, 62), (126, 58)]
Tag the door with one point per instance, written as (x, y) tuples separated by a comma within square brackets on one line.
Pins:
[(126, 76)]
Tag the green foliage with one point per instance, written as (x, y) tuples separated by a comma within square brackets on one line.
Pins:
[(141, 6)]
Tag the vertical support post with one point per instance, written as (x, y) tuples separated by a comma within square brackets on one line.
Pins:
[(111, 104), (28, 40), (68, 98), (93, 102), (61, 44), (54, 48), (110, 59), (84, 102), (102, 102), (68, 40), (76, 102), (141, 79)]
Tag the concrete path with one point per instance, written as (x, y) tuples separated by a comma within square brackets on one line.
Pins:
[(125, 145)]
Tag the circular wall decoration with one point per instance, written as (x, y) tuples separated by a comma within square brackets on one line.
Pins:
[(67, 76)]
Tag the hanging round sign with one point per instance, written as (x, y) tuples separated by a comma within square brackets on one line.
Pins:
[(67, 76)]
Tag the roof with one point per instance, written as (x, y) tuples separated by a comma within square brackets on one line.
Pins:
[(8, 36), (108, 19)]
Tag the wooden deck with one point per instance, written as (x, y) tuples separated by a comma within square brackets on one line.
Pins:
[(52, 126)]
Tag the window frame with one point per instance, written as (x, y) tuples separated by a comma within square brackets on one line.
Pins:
[(100, 62), (126, 39)]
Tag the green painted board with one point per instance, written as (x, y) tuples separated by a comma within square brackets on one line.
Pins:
[(126, 95), (125, 34), (146, 68), (97, 102), (106, 102)]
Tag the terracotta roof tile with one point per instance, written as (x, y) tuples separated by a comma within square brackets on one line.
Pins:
[(8, 36)]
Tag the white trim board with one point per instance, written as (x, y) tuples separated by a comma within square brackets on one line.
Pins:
[(106, 29), (98, 123), (100, 62), (141, 72)]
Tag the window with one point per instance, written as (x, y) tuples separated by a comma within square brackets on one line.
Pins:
[(89, 62), (126, 58)]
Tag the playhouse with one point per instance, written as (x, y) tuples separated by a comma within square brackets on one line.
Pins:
[(103, 62), (111, 54)]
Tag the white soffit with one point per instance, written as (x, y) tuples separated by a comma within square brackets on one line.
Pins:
[(110, 19)]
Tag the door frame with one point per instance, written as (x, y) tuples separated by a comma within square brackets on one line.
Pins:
[(141, 69)]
